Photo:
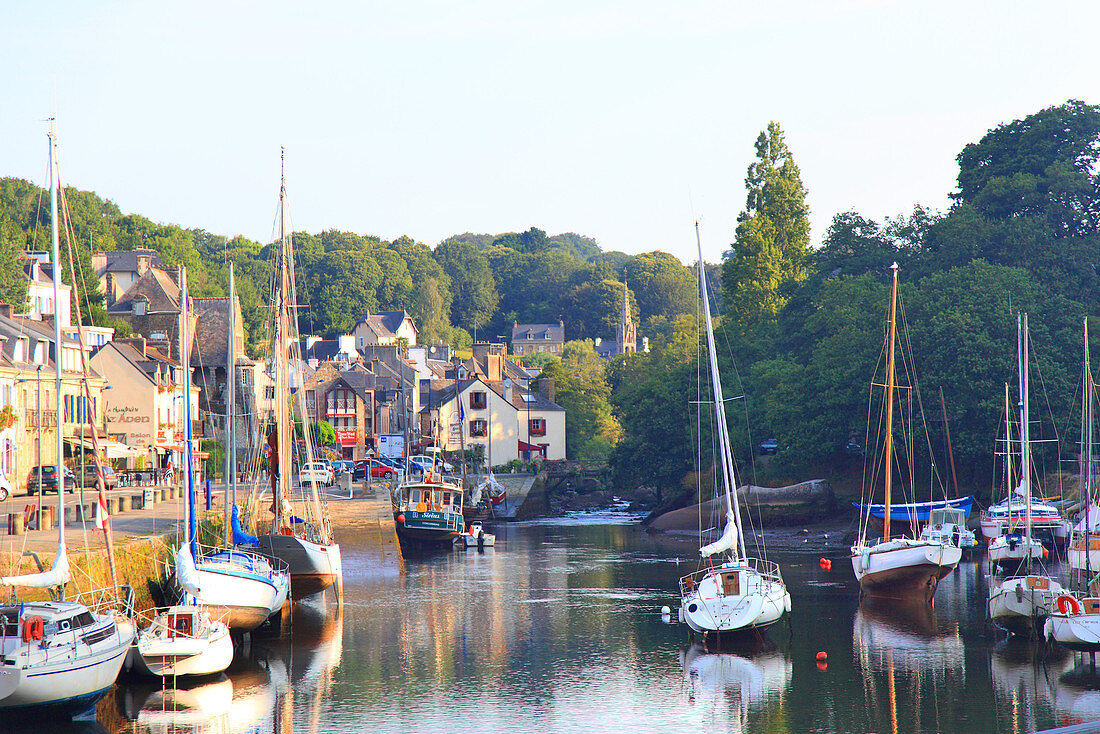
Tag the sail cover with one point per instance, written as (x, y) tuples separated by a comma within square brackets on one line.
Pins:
[(187, 576), (58, 575), (726, 542)]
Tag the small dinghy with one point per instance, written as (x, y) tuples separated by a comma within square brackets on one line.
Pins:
[(476, 537)]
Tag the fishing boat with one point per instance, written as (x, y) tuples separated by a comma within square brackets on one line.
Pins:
[(240, 587), (731, 592), (428, 510), (300, 536), (1022, 603), (898, 567), (948, 525), (58, 657)]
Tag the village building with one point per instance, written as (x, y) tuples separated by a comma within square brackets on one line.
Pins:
[(530, 338), (386, 328), (118, 270)]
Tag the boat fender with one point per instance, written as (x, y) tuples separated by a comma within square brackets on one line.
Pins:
[(1068, 605), (401, 519), (865, 560), (32, 628), (1019, 594)]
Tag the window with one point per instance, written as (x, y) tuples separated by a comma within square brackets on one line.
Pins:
[(477, 400), (519, 349), (269, 392), (537, 426), (479, 428), (530, 335)]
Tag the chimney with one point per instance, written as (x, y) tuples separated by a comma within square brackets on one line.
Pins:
[(5, 310), (546, 388), (508, 391), (142, 263)]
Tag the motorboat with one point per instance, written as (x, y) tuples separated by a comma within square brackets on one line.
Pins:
[(184, 640)]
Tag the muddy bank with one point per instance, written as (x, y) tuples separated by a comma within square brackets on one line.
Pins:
[(799, 504)]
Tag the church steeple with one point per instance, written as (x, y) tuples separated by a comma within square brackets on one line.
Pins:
[(626, 339)]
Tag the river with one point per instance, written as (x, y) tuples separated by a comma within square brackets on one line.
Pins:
[(558, 629)]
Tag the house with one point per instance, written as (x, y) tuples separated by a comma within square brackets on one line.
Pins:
[(386, 328), (152, 308), (38, 271), (507, 422), (118, 270), (145, 408), (529, 338)]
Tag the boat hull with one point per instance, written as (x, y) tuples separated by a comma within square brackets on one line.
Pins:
[(314, 567), (903, 568), (1021, 605), (1080, 632), (732, 598), (241, 599), (203, 647)]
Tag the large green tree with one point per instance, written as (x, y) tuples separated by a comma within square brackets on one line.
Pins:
[(772, 236), (475, 291)]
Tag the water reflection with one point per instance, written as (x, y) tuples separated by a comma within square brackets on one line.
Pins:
[(731, 688), (908, 636)]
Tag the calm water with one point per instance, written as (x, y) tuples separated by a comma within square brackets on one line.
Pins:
[(558, 629)]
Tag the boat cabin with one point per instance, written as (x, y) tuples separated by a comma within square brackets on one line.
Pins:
[(426, 498)]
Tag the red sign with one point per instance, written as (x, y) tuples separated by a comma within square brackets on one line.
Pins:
[(347, 438)]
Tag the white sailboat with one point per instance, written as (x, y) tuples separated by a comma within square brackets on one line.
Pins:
[(1075, 622), (1013, 548), (1018, 604), (57, 656), (737, 592), (898, 567), (184, 640), (308, 547), (240, 587)]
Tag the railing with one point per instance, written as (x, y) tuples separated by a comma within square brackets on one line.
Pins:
[(768, 569), (49, 418)]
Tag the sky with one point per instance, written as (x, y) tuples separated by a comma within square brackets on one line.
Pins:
[(621, 121)]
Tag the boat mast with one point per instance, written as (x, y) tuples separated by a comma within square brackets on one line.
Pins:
[(185, 359), (1086, 484), (1025, 437), (890, 402), (55, 242), (230, 410), (281, 357), (1008, 454), (728, 476)]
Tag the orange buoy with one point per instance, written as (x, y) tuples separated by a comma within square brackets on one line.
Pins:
[(826, 564), (1045, 552), (822, 665), (822, 657), (401, 518)]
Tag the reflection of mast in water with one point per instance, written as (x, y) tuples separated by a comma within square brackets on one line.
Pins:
[(1028, 682), (746, 684), (305, 666)]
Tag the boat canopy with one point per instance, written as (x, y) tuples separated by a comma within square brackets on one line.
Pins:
[(726, 542), (917, 510), (58, 575)]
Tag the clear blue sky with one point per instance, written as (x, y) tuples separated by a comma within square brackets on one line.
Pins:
[(618, 120)]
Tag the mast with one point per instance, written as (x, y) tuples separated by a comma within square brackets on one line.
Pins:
[(1025, 432), (55, 242), (1086, 484), (1008, 454), (728, 477), (947, 435), (890, 402), (230, 410), (282, 357), (185, 358)]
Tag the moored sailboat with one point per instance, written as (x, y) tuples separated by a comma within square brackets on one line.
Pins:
[(898, 567), (738, 592)]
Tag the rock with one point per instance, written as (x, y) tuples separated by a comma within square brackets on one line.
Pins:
[(777, 506)]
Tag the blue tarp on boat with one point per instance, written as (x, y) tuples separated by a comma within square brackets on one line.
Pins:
[(916, 510)]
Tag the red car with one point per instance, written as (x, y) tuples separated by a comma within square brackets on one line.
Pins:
[(378, 470)]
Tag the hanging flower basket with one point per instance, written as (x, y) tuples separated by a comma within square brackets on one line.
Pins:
[(7, 417)]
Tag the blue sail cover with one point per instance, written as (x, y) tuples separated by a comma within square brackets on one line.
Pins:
[(240, 537), (917, 510)]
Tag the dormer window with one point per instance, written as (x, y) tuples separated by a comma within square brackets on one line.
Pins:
[(530, 335), (40, 352), (139, 306)]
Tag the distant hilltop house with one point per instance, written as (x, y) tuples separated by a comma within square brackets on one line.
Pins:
[(530, 338), (118, 270), (384, 328)]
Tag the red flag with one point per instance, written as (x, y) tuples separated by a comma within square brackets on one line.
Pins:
[(101, 517)]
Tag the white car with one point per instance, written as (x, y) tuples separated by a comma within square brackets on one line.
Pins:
[(316, 471), (5, 488), (424, 463)]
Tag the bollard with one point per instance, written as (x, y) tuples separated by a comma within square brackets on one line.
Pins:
[(47, 518), (15, 523), (70, 514), (209, 495)]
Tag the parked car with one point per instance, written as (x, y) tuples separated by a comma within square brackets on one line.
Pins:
[(769, 446), (5, 488), (49, 479), (110, 479), (424, 463), (377, 470), (341, 467), (316, 471)]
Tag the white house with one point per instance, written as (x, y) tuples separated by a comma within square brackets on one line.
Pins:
[(386, 328)]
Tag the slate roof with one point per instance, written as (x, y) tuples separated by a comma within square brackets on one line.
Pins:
[(386, 323), (553, 333), (210, 342), (440, 392), (126, 261), (322, 350), (14, 327), (158, 287)]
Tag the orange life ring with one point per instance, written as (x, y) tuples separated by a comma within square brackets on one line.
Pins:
[(1068, 605), (32, 628)]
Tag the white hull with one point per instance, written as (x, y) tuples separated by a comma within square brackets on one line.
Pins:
[(313, 566), (1005, 550), (903, 567), (66, 672), (1019, 604), (242, 599), (1079, 632), (1075, 556), (162, 653), (733, 597)]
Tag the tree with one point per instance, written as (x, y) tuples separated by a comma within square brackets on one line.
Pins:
[(773, 234), (475, 293), (662, 285)]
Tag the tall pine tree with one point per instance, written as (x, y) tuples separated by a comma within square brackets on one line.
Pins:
[(772, 237)]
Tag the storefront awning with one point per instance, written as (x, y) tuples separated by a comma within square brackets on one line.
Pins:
[(112, 448), (541, 448)]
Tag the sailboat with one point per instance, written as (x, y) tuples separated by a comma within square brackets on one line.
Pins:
[(1014, 548), (241, 587), (738, 592), (1075, 622), (898, 567), (58, 656), (306, 546), (1017, 604)]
